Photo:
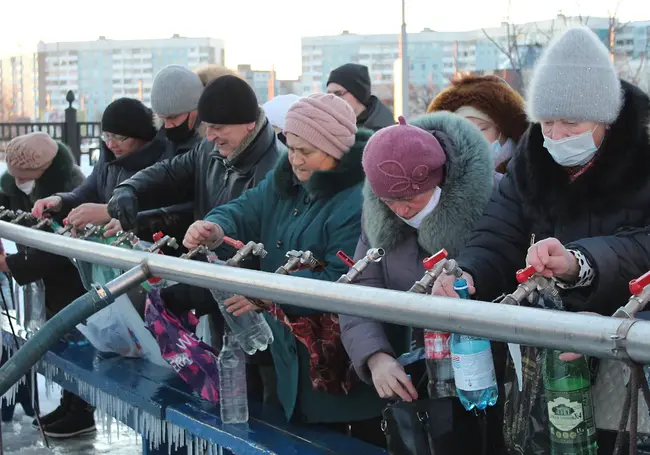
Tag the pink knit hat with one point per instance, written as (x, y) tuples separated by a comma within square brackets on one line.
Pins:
[(325, 121), (402, 161), (31, 151)]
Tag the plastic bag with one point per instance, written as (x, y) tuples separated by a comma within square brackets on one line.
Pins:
[(194, 361)]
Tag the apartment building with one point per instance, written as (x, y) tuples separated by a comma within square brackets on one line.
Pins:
[(434, 57), (19, 87), (100, 71)]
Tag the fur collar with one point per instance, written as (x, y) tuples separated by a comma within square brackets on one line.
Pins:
[(324, 184), (466, 191), (621, 166), (62, 175)]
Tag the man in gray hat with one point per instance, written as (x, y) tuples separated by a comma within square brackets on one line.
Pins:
[(174, 98)]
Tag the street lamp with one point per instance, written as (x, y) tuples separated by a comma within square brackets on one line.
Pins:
[(403, 54)]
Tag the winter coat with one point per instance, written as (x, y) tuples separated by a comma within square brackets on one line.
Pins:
[(203, 176), (322, 216), (59, 275), (109, 172), (465, 192), (376, 116), (604, 213), (174, 149)]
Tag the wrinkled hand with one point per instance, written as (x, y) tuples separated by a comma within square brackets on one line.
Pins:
[(123, 206), (52, 203), (389, 378), (88, 213), (112, 228), (203, 233), (551, 259), (3, 262), (570, 356), (444, 285), (238, 305)]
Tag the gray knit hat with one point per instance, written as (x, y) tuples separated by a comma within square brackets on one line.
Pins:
[(175, 90), (575, 79)]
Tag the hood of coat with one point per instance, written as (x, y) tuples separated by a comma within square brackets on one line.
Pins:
[(622, 164), (324, 184), (63, 175), (465, 192), (376, 116)]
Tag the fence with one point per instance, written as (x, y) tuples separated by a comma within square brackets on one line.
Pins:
[(82, 137), (593, 335)]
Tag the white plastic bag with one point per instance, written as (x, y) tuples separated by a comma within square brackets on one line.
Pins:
[(119, 328)]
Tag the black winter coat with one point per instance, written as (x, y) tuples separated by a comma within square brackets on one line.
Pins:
[(604, 213), (376, 116), (203, 176), (59, 275), (110, 171)]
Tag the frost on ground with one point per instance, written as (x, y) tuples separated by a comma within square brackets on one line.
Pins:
[(19, 438)]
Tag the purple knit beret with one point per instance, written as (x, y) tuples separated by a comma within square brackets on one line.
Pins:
[(403, 161)]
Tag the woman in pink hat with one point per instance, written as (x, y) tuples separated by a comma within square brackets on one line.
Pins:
[(310, 201)]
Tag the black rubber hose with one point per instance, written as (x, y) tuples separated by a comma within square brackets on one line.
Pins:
[(50, 334)]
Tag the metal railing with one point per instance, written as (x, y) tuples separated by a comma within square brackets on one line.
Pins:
[(588, 334)]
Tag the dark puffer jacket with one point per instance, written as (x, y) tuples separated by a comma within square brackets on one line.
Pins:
[(604, 213), (59, 275)]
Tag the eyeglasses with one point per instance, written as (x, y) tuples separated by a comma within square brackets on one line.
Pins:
[(107, 137)]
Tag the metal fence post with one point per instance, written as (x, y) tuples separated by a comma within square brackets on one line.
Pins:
[(71, 132)]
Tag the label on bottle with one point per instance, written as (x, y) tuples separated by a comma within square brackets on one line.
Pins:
[(571, 415), (436, 345), (474, 372)]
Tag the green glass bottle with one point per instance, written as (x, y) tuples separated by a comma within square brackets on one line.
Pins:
[(567, 387)]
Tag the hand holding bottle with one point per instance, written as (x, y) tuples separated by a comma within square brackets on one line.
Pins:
[(389, 377), (444, 285)]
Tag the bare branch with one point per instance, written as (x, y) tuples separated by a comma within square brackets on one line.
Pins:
[(501, 49)]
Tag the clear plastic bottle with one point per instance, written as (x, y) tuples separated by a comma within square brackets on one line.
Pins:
[(233, 398), (438, 361), (471, 358), (251, 330)]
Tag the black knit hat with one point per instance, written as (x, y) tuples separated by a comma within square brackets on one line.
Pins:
[(355, 79), (129, 117), (228, 100)]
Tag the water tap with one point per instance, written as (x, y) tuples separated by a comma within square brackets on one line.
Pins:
[(529, 282), (6, 213), (20, 216), (299, 260), (435, 266), (201, 249), (91, 230), (160, 240), (243, 251), (373, 255), (65, 229), (124, 237), (42, 223), (640, 290)]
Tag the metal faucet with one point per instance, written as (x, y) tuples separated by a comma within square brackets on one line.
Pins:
[(244, 251), (435, 266), (299, 260), (373, 255), (91, 230), (6, 213), (124, 237), (42, 223), (20, 216), (529, 282), (201, 249), (640, 290), (160, 240)]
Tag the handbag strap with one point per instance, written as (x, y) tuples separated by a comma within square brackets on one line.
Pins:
[(631, 409)]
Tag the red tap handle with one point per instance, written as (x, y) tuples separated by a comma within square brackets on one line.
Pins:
[(157, 236), (347, 260), (65, 222), (237, 244), (524, 275), (638, 285), (431, 262)]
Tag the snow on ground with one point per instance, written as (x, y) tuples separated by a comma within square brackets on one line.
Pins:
[(19, 438)]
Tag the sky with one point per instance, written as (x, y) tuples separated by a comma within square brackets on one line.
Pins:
[(266, 33)]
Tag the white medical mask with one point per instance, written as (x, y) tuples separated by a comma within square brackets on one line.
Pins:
[(26, 187), (572, 151), (416, 220)]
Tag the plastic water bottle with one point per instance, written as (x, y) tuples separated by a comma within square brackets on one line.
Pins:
[(471, 358), (251, 330), (233, 398), (438, 362)]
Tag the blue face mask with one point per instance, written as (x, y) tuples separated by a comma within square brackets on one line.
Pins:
[(572, 151), (496, 147)]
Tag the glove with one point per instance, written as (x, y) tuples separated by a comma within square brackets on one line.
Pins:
[(123, 206)]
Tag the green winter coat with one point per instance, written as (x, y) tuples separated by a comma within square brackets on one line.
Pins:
[(322, 216)]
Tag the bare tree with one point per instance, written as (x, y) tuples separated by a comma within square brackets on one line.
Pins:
[(420, 96)]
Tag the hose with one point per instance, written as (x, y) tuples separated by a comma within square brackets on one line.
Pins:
[(64, 321)]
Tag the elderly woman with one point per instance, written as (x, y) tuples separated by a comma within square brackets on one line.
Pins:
[(426, 186), (493, 106), (579, 188), (129, 144), (310, 201)]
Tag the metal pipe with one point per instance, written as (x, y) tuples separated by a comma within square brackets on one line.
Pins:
[(587, 334), (64, 321)]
